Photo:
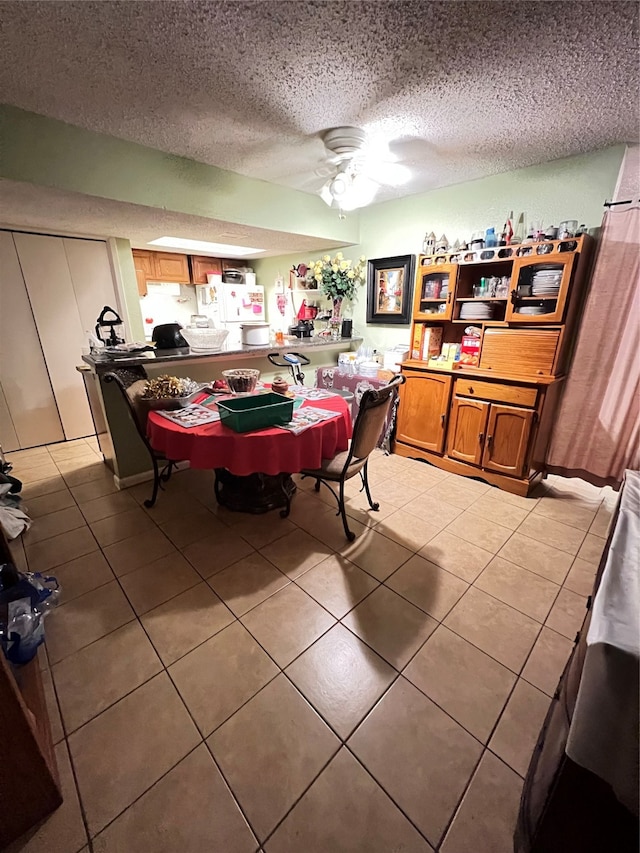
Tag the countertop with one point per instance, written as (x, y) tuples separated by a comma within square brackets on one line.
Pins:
[(186, 355)]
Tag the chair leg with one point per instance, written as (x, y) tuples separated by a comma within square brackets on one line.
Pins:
[(166, 472), (156, 482), (317, 485), (348, 533), (365, 479)]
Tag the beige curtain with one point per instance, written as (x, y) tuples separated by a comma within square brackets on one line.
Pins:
[(597, 431)]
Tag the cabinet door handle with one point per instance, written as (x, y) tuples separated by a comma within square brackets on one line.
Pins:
[(442, 417), (480, 437), (489, 440), (471, 391)]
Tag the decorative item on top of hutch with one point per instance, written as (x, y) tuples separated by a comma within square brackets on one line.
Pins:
[(492, 419), (389, 289)]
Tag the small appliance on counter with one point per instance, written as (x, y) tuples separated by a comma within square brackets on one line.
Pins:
[(167, 336), (303, 329), (110, 331), (255, 334)]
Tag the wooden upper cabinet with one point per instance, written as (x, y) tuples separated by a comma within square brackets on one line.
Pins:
[(434, 291), (172, 267), (533, 287), (161, 266), (144, 261), (200, 266), (142, 282), (507, 441), (424, 404), (467, 430)]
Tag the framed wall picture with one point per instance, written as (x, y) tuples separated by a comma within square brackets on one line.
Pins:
[(390, 289)]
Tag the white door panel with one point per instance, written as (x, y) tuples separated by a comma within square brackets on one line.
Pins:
[(23, 372), (51, 293), (8, 436), (92, 279)]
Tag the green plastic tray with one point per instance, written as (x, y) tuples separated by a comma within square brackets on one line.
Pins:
[(256, 411)]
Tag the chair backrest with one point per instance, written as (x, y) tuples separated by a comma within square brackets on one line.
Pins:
[(374, 407), (132, 384)]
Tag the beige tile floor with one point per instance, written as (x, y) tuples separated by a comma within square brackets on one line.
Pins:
[(226, 683)]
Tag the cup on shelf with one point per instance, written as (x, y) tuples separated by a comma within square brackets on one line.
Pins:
[(567, 228)]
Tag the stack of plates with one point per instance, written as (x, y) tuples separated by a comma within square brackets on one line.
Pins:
[(546, 282), (532, 309), (476, 311)]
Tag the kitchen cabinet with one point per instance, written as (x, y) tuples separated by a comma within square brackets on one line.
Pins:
[(423, 410), (433, 292), (200, 266), (172, 267), (497, 415), (141, 281), (533, 272), (160, 267), (507, 440), (467, 430)]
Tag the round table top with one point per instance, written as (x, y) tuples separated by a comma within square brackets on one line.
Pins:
[(268, 451)]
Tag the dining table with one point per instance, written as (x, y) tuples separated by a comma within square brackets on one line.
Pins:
[(253, 469)]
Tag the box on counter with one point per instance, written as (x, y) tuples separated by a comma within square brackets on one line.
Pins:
[(394, 357), (470, 351), (427, 341)]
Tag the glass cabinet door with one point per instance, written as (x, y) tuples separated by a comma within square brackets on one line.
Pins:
[(434, 290), (540, 288)]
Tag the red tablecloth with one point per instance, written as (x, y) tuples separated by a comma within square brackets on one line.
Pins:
[(268, 451)]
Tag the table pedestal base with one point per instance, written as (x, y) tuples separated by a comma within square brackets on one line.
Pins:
[(256, 493)]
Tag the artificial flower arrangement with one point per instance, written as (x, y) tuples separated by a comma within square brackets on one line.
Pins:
[(338, 277)]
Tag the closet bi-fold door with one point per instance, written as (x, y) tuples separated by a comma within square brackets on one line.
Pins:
[(49, 284), (28, 412)]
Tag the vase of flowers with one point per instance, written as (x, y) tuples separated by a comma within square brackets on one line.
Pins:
[(338, 278)]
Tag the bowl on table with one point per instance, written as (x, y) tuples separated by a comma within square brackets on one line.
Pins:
[(203, 339), (241, 380)]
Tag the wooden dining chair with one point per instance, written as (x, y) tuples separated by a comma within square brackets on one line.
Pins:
[(131, 383), (370, 421)]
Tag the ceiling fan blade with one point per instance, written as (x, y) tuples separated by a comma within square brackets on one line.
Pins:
[(386, 172)]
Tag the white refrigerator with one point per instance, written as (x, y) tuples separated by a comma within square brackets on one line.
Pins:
[(230, 305)]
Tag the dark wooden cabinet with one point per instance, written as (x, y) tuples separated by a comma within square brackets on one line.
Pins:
[(423, 412), (200, 266), (467, 430), (507, 441)]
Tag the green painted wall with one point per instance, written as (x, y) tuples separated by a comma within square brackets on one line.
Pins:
[(571, 188), (43, 151)]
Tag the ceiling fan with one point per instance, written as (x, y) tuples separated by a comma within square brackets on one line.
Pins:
[(357, 168)]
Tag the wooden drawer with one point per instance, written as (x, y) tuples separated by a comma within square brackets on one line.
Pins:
[(496, 391), (524, 352)]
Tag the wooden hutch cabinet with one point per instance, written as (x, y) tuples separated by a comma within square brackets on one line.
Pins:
[(493, 420)]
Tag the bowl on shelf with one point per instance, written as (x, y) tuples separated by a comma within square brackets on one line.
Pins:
[(203, 339), (241, 380)]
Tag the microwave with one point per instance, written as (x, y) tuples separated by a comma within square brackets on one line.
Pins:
[(242, 275)]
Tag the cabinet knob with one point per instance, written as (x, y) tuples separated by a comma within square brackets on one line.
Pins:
[(471, 391), (480, 437)]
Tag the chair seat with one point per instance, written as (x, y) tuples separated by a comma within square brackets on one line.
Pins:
[(332, 468)]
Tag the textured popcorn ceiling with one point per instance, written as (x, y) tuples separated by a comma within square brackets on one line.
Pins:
[(461, 89), (27, 207)]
